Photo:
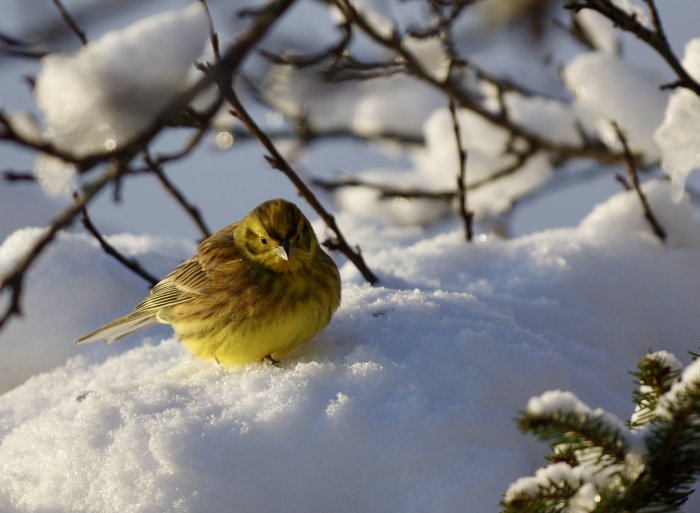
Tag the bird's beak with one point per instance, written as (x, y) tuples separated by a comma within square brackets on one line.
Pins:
[(284, 251)]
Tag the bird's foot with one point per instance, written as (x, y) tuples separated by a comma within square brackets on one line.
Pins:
[(270, 359)]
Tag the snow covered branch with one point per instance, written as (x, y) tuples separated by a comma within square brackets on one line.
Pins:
[(653, 34), (599, 464)]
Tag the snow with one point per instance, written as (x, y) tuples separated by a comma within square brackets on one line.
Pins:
[(435, 168), (414, 381), (99, 98), (681, 391), (599, 29), (608, 88), (677, 136)]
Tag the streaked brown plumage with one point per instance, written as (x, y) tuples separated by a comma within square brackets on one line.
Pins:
[(256, 288)]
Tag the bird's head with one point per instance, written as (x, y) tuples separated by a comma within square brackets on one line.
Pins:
[(277, 235)]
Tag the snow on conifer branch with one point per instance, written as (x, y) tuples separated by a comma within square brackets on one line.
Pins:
[(562, 419), (601, 465)]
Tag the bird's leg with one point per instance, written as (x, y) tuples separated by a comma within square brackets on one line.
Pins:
[(217, 361), (270, 359)]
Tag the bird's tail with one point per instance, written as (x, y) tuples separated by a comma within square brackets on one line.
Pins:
[(119, 328)]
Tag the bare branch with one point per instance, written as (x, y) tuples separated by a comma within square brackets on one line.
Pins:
[(15, 176), (654, 37), (213, 36), (385, 191), (633, 177), (14, 280), (70, 21), (278, 162), (129, 263), (466, 215), (189, 207), (335, 52), (463, 98)]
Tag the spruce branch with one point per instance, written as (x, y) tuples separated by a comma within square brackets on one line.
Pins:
[(590, 433), (651, 469), (655, 373)]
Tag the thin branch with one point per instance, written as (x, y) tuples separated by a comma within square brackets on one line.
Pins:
[(213, 36), (654, 37), (189, 207), (388, 191), (15, 176), (70, 21), (385, 191), (129, 263), (463, 98), (633, 177), (278, 162), (465, 214), (14, 280), (335, 52)]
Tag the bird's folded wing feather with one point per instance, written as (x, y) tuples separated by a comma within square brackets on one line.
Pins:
[(187, 281)]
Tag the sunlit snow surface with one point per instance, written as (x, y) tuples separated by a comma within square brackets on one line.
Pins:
[(405, 403)]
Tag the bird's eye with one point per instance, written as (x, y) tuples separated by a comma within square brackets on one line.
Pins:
[(263, 240)]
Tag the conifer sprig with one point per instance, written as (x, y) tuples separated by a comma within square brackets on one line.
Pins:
[(600, 465)]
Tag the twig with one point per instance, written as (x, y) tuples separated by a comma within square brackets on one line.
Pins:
[(385, 191), (14, 176), (633, 177), (213, 36), (129, 263), (388, 191), (335, 51), (189, 207), (14, 280), (655, 38), (465, 214), (70, 21), (454, 89), (278, 162)]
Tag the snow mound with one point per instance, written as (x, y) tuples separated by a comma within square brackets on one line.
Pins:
[(405, 403)]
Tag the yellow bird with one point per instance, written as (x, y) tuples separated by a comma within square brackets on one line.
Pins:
[(257, 288)]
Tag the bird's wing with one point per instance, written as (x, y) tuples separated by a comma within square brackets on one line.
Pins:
[(192, 277), (187, 281)]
